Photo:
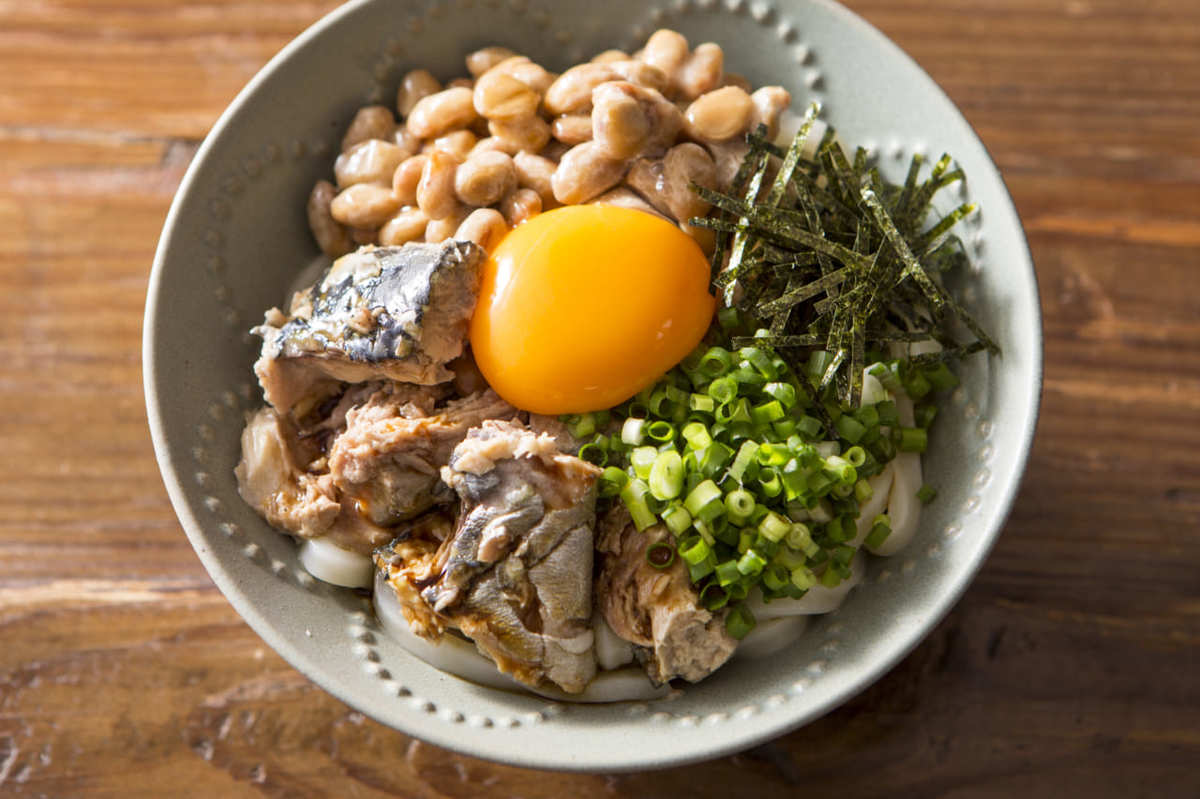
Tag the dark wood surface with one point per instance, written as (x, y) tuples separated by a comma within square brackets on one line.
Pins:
[(1070, 668)]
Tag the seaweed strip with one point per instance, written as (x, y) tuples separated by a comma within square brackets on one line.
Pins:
[(933, 238), (805, 340), (833, 226), (807, 291), (784, 177), (912, 267), (740, 239)]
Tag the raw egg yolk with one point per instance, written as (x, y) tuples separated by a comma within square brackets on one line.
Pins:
[(584, 306)]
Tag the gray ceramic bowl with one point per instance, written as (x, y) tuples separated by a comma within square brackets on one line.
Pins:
[(236, 236)]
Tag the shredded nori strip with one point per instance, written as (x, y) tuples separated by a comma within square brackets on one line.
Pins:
[(824, 253)]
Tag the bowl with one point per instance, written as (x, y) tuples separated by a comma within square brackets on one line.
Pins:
[(236, 236)]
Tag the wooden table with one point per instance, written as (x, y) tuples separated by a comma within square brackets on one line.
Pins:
[(1072, 664)]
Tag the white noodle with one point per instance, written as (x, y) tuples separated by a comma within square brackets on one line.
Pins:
[(770, 636), (612, 651), (881, 487), (904, 509), (330, 563), (816, 600)]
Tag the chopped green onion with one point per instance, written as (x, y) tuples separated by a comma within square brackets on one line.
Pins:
[(734, 411), (799, 536), (941, 378), (698, 571), (660, 555), (751, 563), (633, 494), (835, 530), (769, 481), (841, 469), (713, 458), (642, 459), (856, 456), (830, 577), (611, 481), (818, 363), (785, 393), (784, 428), (863, 491), (594, 453), (581, 426), (729, 319), (631, 431), (887, 375), (850, 428), (774, 527), (715, 362), (759, 360), (727, 573), (696, 434), (745, 456), (739, 505), (912, 439), (803, 578), (795, 482), (723, 389), (666, 475), (705, 501), (868, 415), (773, 454), (713, 597), (820, 484), (889, 416), (810, 428), (926, 494), (697, 552), (701, 403), (739, 622), (676, 518), (775, 577), (660, 431), (924, 415), (881, 528), (916, 386), (767, 412), (705, 532)]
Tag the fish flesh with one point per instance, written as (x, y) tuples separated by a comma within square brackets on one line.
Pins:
[(273, 477), (516, 575), (657, 610), (387, 461), (359, 464), (399, 313)]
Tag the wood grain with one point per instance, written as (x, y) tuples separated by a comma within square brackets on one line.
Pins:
[(1071, 667)]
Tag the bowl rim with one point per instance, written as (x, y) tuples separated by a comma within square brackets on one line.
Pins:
[(442, 735)]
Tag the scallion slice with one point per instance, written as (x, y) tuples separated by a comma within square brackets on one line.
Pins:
[(660, 555), (666, 475), (739, 622)]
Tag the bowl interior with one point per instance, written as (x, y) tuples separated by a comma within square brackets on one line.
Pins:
[(237, 236)]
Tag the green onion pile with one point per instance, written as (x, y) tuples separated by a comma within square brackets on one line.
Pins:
[(730, 453), (755, 451)]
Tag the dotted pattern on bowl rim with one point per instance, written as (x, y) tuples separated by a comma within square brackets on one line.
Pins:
[(362, 629)]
